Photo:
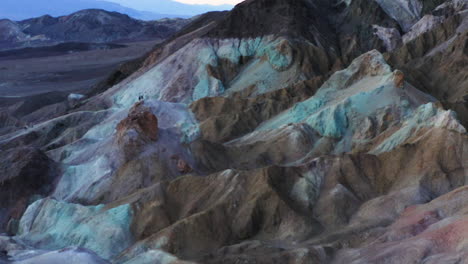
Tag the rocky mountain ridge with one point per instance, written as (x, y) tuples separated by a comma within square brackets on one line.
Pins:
[(315, 131), (93, 25)]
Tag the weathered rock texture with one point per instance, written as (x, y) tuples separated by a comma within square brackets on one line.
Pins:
[(139, 128), (26, 173), (276, 133)]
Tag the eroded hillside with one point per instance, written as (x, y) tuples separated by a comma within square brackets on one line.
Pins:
[(280, 132)]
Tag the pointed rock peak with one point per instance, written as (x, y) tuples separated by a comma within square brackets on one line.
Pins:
[(399, 78), (369, 64)]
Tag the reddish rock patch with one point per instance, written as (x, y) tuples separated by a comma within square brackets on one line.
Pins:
[(141, 119), (399, 79), (182, 166)]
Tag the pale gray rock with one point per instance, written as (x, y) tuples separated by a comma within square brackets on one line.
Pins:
[(390, 36), (427, 23), (405, 12)]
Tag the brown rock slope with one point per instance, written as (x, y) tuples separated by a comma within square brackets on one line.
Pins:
[(240, 140), (435, 61), (325, 210)]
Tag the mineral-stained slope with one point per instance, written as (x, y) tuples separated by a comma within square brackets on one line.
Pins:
[(289, 138), (436, 56)]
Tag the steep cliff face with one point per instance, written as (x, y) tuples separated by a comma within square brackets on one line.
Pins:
[(276, 133)]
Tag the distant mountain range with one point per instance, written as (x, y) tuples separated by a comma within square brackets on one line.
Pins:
[(172, 7), (90, 25), (15, 9)]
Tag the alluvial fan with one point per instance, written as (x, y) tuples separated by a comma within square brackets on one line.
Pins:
[(307, 131)]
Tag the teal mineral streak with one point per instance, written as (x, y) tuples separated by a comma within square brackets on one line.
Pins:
[(367, 102), (206, 87), (73, 180), (202, 89), (234, 49), (303, 110), (330, 122), (190, 132), (208, 56), (51, 225), (331, 119), (258, 72), (277, 59), (419, 119), (230, 52), (424, 112), (250, 47)]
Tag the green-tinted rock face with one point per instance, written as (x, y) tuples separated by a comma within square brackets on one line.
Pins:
[(350, 96), (49, 224), (275, 133), (269, 58)]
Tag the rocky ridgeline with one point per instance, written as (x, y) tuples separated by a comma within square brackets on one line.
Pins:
[(280, 132), (90, 26)]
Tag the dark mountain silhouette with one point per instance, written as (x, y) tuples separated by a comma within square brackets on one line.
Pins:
[(92, 25), (151, 10)]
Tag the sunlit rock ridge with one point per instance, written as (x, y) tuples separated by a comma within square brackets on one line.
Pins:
[(279, 132)]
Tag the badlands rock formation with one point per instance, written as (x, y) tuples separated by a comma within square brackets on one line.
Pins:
[(280, 132)]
